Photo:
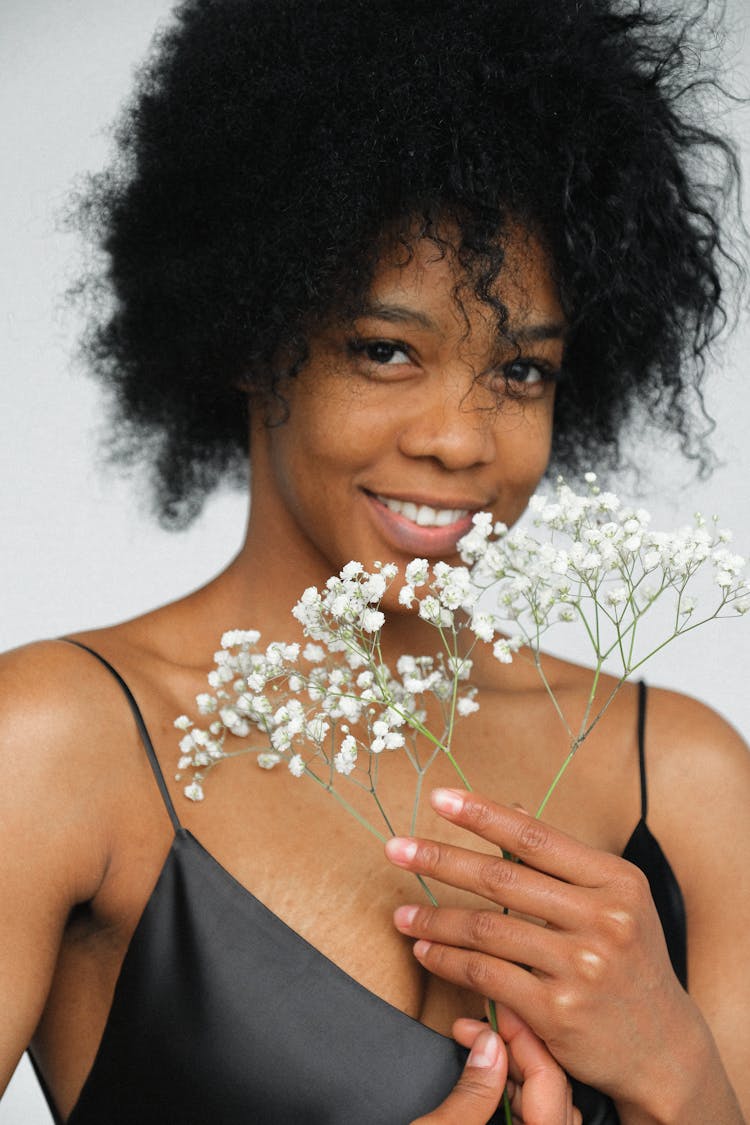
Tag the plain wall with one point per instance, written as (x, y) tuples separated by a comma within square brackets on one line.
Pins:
[(79, 548)]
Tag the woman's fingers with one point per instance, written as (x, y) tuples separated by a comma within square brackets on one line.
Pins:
[(535, 843), (486, 975), (477, 1094), (490, 931), (491, 877), (539, 1088)]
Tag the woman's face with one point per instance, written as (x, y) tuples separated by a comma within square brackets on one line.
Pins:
[(403, 426)]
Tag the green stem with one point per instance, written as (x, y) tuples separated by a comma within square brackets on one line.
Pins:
[(459, 771), (569, 758), (548, 689), (343, 802)]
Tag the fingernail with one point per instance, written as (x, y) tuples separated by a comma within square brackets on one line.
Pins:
[(447, 800), (421, 947), (401, 850), (485, 1051), (403, 916)]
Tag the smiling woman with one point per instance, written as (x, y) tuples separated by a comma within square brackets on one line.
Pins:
[(452, 417), (407, 259)]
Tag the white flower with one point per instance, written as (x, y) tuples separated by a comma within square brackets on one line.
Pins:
[(296, 765), (351, 570), (194, 791), (267, 760), (590, 478), (591, 561), (466, 706), (372, 620), (374, 588), (608, 502), (501, 651), (406, 596), (206, 703), (483, 625), (182, 722), (617, 596), (343, 764), (281, 739), (350, 708), (431, 610), (417, 572), (317, 729), (313, 654), (235, 637), (504, 648), (234, 722), (473, 543)]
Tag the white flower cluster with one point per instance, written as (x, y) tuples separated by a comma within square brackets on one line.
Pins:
[(333, 705), (598, 563), (331, 708)]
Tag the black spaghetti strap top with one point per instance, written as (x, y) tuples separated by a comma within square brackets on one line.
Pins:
[(223, 1015)]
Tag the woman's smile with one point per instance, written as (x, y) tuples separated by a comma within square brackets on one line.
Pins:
[(420, 528)]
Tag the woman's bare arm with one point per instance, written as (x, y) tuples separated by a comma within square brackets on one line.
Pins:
[(54, 856)]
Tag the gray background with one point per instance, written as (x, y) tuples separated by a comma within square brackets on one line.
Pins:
[(78, 547)]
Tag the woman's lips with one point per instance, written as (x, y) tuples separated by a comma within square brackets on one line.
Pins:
[(411, 537)]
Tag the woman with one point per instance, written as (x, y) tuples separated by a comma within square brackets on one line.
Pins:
[(391, 235)]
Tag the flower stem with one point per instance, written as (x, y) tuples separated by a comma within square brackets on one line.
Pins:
[(459, 771)]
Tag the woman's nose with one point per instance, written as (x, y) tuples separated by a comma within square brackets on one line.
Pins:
[(452, 423)]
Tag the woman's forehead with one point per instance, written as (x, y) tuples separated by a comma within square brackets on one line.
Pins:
[(430, 288)]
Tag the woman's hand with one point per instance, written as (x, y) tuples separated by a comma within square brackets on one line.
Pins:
[(594, 981), (539, 1091)]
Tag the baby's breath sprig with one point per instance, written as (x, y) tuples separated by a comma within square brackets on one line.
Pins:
[(331, 709)]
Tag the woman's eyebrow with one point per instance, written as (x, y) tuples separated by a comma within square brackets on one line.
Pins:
[(534, 333), (399, 314), (403, 314)]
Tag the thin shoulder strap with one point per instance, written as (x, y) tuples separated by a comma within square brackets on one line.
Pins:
[(642, 693), (142, 731)]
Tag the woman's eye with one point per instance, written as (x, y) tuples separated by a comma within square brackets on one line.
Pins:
[(521, 375), (385, 353), (526, 373)]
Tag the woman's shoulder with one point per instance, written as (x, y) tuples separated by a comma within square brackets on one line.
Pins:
[(54, 725), (46, 699), (66, 723), (698, 769)]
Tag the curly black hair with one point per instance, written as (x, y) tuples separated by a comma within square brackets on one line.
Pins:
[(272, 145)]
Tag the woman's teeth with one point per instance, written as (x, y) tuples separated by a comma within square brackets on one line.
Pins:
[(423, 515)]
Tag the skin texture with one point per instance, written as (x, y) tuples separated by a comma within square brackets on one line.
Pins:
[(442, 422)]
